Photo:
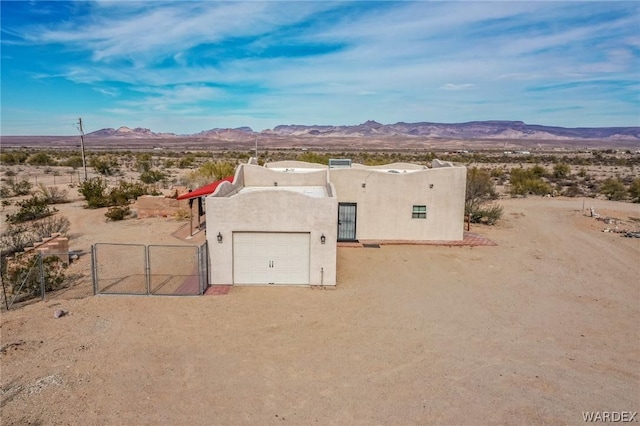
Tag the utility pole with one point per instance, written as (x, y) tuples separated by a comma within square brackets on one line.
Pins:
[(84, 162), (256, 148)]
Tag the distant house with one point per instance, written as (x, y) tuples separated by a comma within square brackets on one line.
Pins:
[(280, 224)]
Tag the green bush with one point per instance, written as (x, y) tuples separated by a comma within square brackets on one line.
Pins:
[(613, 189), (561, 170), (634, 190), (312, 157), (22, 187), (41, 159), (528, 181), (5, 192), (14, 238), (93, 191), (186, 162), (126, 192), (48, 226), (152, 176), (485, 213), (106, 165), (24, 272), (13, 157), (31, 209), (117, 212), (74, 161), (143, 162), (53, 194)]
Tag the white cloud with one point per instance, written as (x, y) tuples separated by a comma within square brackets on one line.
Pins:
[(451, 86)]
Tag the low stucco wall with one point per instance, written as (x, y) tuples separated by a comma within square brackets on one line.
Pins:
[(159, 206), (385, 201), (261, 176), (273, 211)]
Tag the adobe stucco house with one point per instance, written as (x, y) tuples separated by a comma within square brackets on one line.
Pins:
[(280, 224)]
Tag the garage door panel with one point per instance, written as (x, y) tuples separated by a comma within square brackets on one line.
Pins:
[(270, 258)]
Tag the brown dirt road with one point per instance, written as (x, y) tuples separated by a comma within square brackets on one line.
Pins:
[(535, 330)]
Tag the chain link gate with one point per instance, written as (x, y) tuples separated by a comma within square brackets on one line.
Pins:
[(136, 269)]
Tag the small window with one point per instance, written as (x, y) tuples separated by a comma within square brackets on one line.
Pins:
[(419, 212)]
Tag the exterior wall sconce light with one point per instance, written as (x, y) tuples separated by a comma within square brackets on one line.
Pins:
[(275, 183), (430, 185), (219, 238), (364, 185), (323, 239)]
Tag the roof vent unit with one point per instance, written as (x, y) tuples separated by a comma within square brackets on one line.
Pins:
[(339, 163)]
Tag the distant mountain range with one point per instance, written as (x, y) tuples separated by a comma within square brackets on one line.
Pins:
[(471, 130)]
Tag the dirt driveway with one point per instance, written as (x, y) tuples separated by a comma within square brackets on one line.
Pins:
[(535, 330)]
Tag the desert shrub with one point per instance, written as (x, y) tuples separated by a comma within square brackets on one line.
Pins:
[(186, 161), (528, 181), (41, 159), (561, 170), (479, 192), (5, 192), (313, 157), (126, 192), (613, 189), (573, 190), (24, 271), (10, 173), (14, 238), (152, 176), (117, 212), (22, 187), (634, 190), (106, 165), (31, 209), (48, 226), (538, 171), (211, 171), (93, 191), (53, 194), (181, 214), (74, 161), (497, 173), (17, 236), (485, 213), (143, 162), (13, 157)]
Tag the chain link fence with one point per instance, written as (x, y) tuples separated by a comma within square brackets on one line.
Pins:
[(162, 270), (31, 275)]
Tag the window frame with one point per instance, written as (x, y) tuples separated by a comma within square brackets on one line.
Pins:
[(419, 211)]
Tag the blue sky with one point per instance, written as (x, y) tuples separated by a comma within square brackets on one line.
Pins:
[(188, 66)]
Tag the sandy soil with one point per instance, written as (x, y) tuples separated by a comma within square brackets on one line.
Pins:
[(535, 330)]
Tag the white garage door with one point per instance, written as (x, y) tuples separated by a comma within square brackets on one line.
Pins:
[(270, 258)]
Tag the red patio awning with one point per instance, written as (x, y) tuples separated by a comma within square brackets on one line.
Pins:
[(204, 190)]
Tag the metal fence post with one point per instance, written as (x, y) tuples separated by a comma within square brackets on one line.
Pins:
[(42, 286), (94, 278), (147, 268), (199, 263)]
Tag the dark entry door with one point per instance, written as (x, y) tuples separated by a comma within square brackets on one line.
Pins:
[(347, 221)]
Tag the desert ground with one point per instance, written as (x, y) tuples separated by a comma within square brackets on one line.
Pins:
[(537, 329)]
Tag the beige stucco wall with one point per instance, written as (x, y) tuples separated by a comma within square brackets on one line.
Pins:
[(262, 176), (273, 211), (385, 202), (295, 164)]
